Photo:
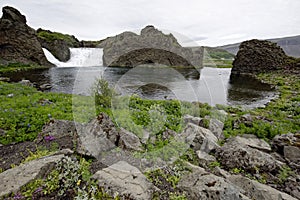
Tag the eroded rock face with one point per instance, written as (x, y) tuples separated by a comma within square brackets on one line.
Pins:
[(18, 41), (58, 48), (13, 179), (204, 185), (97, 137), (256, 190), (125, 180), (151, 46), (244, 153), (255, 56), (199, 138)]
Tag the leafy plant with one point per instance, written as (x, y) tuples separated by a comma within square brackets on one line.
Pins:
[(214, 164), (103, 93), (284, 173)]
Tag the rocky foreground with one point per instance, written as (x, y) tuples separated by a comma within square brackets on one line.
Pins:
[(244, 167)]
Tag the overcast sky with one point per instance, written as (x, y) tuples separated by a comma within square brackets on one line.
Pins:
[(198, 22)]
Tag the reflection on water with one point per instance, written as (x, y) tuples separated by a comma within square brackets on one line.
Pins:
[(213, 86)]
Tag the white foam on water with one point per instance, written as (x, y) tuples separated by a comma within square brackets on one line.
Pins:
[(80, 57)]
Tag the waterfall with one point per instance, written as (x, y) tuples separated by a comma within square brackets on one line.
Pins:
[(80, 57)]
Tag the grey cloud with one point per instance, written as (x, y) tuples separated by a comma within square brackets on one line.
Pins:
[(218, 20)]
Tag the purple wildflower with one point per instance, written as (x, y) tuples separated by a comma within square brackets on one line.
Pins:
[(18, 196), (38, 190), (49, 138)]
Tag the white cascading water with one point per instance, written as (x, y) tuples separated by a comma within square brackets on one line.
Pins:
[(80, 57)]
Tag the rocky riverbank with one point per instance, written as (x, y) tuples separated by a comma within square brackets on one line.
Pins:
[(222, 152), (244, 167)]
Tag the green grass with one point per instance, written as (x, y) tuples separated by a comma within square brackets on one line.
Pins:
[(280, 116), (51, 36), (23, 114), (17, 67), (24, 111)]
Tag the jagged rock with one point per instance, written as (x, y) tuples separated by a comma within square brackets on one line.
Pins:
[(253, 142), (216, 127), (292, 153), (199, 138), (18, 41), (205, 186), (59, 128), (256, 190), (191, 119), (279, 141), (58, 48), (99, 136), (167, 134), (26, 83), (145, 137), (13, 179), (255, 56), (45, 87), (238, 153), (221, 172), (205, 159), (125, 180), (151, 46), (129, 141), (57, 43), (5, 79)]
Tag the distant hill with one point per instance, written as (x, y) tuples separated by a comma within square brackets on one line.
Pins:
[(290, 45)]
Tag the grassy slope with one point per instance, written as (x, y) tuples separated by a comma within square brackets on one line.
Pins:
[(14, 67)]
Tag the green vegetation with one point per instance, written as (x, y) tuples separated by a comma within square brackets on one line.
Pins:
[(214, 164), (280, 116), (24, 111), (167, 179), (103, 93), (17, 67), (69, 177), (284, 173), (216, 53), (41, 152), (215, 57), (51, 36)]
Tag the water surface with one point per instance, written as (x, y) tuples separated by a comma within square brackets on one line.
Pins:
[(209, 85)]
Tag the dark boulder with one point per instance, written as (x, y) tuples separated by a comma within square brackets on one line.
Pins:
[(58, 48), (58, 43), (255, 56), (151, 46), (150, 56), (18, 41)]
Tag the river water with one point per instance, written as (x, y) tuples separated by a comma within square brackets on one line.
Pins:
[(208, 85)]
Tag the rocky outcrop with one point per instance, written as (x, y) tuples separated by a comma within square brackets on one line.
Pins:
[(18, 41), (151, 46), (246, 154), (255, 190), (255, 56), (200, 138), (13, 179), (288, 145), (243, 168), (125, 180), (58, 43), (201, 184), (58, 48)]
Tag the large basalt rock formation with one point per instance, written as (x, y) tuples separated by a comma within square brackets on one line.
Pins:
[(58, 47), (151, 46), (18, 41), (255, 56)]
